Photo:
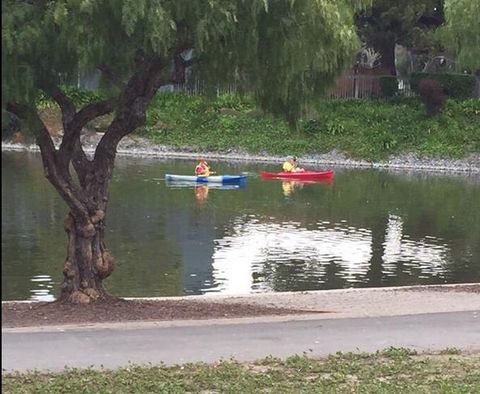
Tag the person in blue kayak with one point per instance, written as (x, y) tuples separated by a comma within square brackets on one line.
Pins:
[(290, 165), (202, 168)]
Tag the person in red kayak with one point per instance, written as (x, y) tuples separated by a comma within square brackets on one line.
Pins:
[(290, 165), (202, 168)]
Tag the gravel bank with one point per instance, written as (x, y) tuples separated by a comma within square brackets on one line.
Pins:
[(141, 147)]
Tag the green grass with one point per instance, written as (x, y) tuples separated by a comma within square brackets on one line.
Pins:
[(368, 129), (390, 371), (362, 129)]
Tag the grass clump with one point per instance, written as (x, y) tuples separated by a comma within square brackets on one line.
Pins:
[(391, 371)]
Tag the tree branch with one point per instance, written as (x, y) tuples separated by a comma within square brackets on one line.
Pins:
[(131, 114), (64, 102), (70, 194), (94, 110), (71, 144)]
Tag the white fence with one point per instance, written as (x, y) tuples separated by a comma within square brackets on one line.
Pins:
[(362, 86), (347, 86)]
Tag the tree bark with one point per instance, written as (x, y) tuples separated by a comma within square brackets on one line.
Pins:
[(386, 48), (88, 261)]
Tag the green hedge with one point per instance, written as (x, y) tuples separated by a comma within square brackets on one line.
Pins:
[(457, 86), (388, 86)]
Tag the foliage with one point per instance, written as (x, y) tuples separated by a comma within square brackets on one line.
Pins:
[(80, 97), (367, 129), (286, 50), (431, 94), (402, 22), (393, 371), (388, 86), (462, 31), (457, 86)]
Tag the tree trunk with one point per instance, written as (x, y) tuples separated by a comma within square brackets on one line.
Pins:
[(387, 50), (88, 261)]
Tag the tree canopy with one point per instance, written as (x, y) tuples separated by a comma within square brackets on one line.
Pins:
[(282, 50), (403, 22), (462, 30)]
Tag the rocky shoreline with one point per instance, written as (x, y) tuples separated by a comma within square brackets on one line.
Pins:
[(142, 147)]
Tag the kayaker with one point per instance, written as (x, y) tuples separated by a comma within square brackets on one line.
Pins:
[(202, 168), (290, 165)]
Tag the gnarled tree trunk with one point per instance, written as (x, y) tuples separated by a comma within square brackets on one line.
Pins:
[(88, 261)]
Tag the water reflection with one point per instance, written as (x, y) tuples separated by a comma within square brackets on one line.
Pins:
[(42, 288), (264, 256), (201, 193), (429, 254), (201, 190), (289, 187), (368, 228)]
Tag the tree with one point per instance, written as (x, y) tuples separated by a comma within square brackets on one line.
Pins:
[(286, 50), (402, 22), (462, 31)]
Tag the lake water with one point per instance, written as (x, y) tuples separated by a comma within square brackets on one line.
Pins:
[(367, 228)]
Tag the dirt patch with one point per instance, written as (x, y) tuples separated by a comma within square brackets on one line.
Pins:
[(473, 288), (55, 313)]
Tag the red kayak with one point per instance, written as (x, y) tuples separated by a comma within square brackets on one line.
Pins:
[(298, 175)]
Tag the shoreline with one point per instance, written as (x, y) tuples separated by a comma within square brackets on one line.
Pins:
[(248, 308), (142, 147)]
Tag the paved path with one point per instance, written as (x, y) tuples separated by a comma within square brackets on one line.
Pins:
[(206, 341)]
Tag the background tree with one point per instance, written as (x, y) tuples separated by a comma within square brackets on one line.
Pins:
[(462, 31), (402, 22), (287, 51)]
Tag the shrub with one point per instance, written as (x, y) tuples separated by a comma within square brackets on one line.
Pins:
[(311, 126), (454, 85), (388, 86), (431, 94)]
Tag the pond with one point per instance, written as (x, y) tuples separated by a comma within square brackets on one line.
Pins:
[(367, 228)]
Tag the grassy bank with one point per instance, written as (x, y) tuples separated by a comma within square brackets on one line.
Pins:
[(363, 129), (392, 371)]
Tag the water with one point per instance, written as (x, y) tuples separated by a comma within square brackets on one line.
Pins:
[(367, 228)]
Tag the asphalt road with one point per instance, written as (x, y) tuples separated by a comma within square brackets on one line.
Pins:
[(112, 348)]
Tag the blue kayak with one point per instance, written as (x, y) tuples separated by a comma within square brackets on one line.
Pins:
[(218, 179)]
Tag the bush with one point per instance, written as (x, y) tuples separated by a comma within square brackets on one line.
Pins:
[(388, 86), (457, 86), (431, 94)]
